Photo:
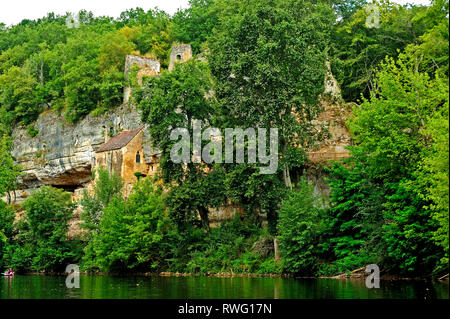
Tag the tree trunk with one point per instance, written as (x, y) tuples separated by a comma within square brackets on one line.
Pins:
[(204, 216), (276, 249), (41, 77), (287, 178), (286, 174)]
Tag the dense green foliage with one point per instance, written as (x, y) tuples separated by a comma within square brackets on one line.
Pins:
[(385, 203), (300, 227), (40, 242), (130, 232), (9, 170), (6, 230), (195, 24), (263, 65), (107, 188), (45, 64), (138, 234), (357, 49), (435, 172)]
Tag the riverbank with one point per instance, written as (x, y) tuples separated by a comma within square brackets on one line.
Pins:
[(355, 274), (167, 274)]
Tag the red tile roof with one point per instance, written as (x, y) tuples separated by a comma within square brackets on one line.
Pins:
[(119, 141)]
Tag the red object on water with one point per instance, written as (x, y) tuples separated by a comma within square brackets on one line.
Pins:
[(10, 274)]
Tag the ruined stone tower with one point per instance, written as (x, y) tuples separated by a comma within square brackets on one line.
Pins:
[(180, 53), (148, 67)]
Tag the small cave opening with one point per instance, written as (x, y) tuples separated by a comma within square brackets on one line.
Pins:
[(67, 188)]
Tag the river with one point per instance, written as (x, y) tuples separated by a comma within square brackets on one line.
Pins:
[(114, 287)]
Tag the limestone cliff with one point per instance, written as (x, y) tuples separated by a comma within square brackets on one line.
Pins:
[(335, 114), (63, 154)]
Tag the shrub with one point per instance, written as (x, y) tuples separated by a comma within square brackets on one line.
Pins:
[(107, 187), (44, 233), (6, 230), (131, 234), (299, 229)]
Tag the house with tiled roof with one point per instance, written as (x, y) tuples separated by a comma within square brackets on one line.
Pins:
[(124, 155)]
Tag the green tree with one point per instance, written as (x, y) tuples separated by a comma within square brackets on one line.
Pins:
[(256, 193), (175, 100), (82, 91), (435, 173), (131, 233), (48, 212), (194, 24), (268, 61), (6, 231), (17, 95), (9, 171), (117, 45), (299, 229), (389, 133), (148, 227), (357, 49), (352, 235), (106, 250), (107, 187)]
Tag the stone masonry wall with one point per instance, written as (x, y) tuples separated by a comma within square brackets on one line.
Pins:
[(148, 67), (179, 54)]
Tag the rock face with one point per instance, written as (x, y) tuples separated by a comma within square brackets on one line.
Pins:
[(149, 65), (330, 83), (334, 147), (335, 114), (62, 154)]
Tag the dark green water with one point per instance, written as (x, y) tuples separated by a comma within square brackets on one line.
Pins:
[(108, 287)]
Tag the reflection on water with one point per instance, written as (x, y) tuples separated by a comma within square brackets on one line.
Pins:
[(103, 287)]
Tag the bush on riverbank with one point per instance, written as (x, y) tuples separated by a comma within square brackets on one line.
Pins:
[(130, 234), (39, 241), (300, 228), (234, 247)]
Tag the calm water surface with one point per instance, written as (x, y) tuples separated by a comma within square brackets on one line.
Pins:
[(109, 287)]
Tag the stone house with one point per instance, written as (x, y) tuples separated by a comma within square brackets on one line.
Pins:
[(124, 155)]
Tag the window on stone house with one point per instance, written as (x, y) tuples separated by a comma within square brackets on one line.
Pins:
[(138, 157)]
